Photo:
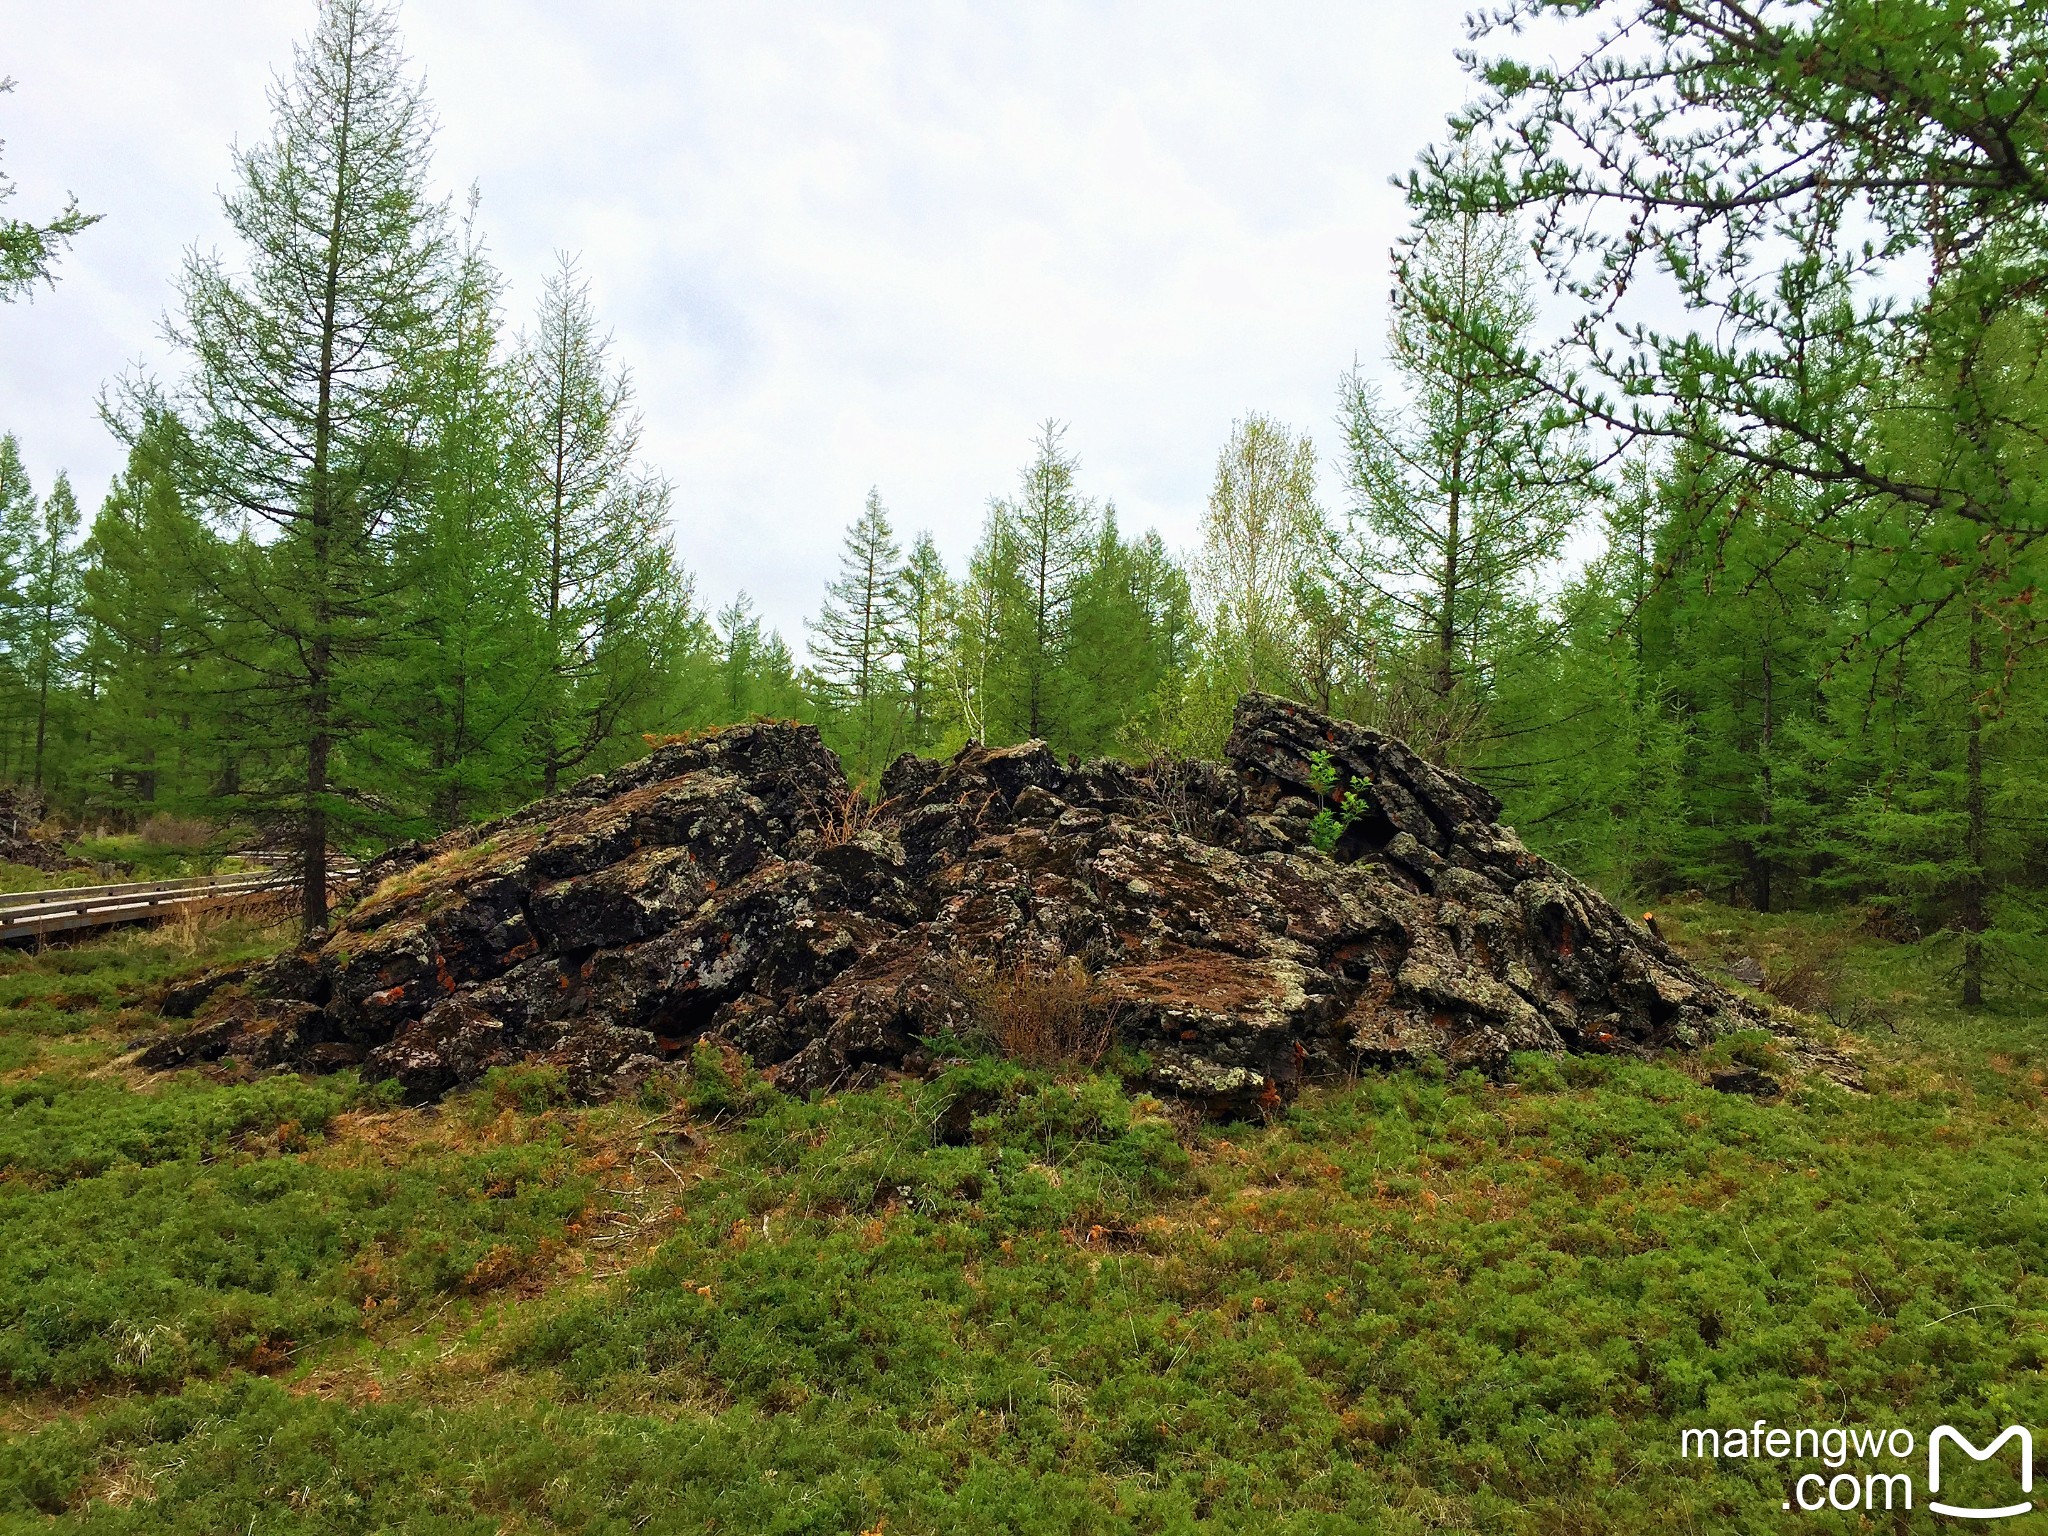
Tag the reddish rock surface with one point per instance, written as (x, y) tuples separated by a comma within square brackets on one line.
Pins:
[(731, 888)]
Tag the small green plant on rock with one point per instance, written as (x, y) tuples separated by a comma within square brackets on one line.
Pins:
[(1339, 813)]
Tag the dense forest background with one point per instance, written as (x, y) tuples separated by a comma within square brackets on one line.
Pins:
[(1746, 605)]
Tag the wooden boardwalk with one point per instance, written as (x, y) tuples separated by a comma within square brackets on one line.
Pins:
[(26, 915)]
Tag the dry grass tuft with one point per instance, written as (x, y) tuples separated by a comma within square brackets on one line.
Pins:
[(850, 814), (1059, 1017), (656, 740), (448, 869)]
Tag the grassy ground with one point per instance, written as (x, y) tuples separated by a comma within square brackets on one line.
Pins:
[(1409, 1304), (117, 856)]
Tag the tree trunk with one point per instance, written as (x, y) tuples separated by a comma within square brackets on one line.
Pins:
[(1762, 865), (1973, 914), (43, 699), (1447, 599), (313, 837), (320, 653)]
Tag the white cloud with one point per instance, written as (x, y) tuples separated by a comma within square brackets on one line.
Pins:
[(840, 244)]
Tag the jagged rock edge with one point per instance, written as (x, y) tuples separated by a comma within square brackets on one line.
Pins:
[(729, 887)]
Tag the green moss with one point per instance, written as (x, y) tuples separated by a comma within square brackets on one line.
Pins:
[(1418, 1302)]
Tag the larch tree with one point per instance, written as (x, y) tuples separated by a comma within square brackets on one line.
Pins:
[(141, 630), (18, 507), (924, 620), (1462, 494), (854, 638), (1850, 203), (1129, 632), (49, 601), (1048, 528), (479, 659), (302, 409), (29, 252), (19, 511), (757, 674), (604, 563)]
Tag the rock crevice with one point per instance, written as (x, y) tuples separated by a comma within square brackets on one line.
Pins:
[(733, 887)]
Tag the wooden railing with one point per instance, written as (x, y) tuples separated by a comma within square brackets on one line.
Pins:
[(33, 914)]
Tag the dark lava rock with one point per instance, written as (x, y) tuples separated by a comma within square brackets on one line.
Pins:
[(1747, 1080), (23, 839), (720, 889)]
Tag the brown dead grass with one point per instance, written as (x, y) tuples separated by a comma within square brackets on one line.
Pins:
[(850, 814), (656, 740), (446, 869), (1058, 1017), (169, 831)]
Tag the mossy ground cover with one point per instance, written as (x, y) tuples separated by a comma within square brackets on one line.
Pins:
[(1411, 1303)]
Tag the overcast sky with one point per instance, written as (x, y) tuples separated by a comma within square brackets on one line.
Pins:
[(840, 245)]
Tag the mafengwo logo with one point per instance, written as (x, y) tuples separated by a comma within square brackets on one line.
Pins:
[(1943, 1434), (1998, 1476)]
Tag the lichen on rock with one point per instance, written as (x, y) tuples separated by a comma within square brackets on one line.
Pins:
[(718, 890)]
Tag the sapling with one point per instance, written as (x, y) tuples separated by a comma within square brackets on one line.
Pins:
[(1340, 812)]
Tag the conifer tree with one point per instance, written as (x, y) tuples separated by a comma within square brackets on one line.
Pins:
[(302, 409), (605, 574), (1605, 786), (924, 623), (1046, 532), (19, 510), (1461, 496), (757, 674), (1849, 208), (50, 597), (142, 635), (28, 252), (479, 659), (1129, 631), (854, 640), (17, 500)]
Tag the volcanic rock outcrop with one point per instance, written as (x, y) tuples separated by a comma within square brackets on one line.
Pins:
[(22, 838), (732, 887)]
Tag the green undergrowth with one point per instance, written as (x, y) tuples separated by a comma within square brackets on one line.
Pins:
[(27, 877), (1010, 1300), (120, 856), (137, 856), (75, 1003)]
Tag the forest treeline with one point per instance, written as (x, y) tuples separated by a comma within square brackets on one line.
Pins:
[(1746, 605)]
